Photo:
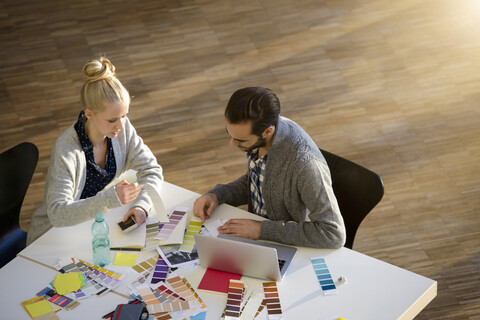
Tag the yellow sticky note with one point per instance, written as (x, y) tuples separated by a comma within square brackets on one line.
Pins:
[(67, 282), (125, 259), (37, 307)]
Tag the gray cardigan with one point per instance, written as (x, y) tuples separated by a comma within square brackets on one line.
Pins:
[(67, 171), (297, 178)]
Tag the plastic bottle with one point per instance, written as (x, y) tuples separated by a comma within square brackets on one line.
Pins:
[(100, 242)]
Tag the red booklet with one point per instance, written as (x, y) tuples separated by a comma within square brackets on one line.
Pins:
[(217, 281)]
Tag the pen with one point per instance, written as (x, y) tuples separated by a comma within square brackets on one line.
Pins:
[(110, 314)]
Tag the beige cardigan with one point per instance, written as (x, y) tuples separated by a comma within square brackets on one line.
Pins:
[(62, 206)]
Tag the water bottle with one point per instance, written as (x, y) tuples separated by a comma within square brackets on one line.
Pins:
[(100, 242)]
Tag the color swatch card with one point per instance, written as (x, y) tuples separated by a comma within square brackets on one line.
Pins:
[(274, 308), (185, 290), (108, 278), (189, 240), (234, 299), (152, 230), (323, 276), (161, 271), (155, 306), (91, 287), (60, 300), (217, 281), (146, 264), (168, 227)]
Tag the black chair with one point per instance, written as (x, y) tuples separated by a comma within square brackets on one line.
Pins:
[(17, 166), (358, 190)]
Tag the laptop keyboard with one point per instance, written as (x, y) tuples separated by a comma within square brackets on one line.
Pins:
[(281, 263)]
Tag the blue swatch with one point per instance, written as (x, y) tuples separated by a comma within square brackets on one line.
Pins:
[(323, 275)]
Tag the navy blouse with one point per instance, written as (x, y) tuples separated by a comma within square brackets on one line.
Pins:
[(97, 178)]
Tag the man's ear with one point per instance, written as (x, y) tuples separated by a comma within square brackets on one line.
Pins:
[(88, 113), (268, 131)]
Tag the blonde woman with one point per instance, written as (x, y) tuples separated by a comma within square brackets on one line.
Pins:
[(90, 154)]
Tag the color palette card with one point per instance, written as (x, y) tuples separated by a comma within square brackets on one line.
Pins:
[(60, 300), (91, 287), (323, 276), (146, 264), (155, 306), (168, 227), (217, 281), (108, 278), (234, 299), (152, 230), (188, 239), (161, 271), (274, 308)]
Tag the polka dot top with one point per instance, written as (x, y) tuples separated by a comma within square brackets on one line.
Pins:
[(97, 178)]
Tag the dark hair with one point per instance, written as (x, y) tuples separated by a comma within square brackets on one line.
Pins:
[(256, 104)]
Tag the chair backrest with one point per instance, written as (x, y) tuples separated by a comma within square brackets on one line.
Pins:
[(358, 191), (17, 166)]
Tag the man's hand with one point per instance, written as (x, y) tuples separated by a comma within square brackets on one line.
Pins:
[(127, 192), (204, 206), (139, 214), (244, 228)]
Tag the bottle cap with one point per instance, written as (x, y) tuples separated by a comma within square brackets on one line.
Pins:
[(99, 217)]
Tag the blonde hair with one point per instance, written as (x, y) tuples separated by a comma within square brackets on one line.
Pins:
[(101, 85)]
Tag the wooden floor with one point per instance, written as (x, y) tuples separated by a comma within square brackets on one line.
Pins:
[(392, 85)]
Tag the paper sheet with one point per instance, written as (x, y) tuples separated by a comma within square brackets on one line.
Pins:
[(66, 283), (125, 259)]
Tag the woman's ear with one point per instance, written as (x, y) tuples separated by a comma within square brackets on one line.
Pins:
[(88, 113)]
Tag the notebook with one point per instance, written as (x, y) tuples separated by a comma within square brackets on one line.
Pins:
[(250, 258)]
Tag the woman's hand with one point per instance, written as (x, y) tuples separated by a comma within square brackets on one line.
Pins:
[(139, 214), (127, 192)]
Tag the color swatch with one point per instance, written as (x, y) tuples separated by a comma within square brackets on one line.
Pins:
[(161, 271), (234, 299), (189, 238), (62, 301), (146, 264), (91, 287), (152, 230), (185, 289), (323, 275), (168, 294), (274, 309), (105, 277), (155, 306), (168, 227)]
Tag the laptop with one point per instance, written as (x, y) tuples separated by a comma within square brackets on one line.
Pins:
[(247, 257)]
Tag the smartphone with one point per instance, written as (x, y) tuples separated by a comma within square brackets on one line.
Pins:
[(128, 225)]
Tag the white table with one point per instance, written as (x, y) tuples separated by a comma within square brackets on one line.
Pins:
[(374, 289), (21, 279)]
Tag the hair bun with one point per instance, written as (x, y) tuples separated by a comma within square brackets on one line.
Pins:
[(99, 69)]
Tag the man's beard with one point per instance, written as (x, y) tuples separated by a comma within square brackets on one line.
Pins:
[(260, 143)]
